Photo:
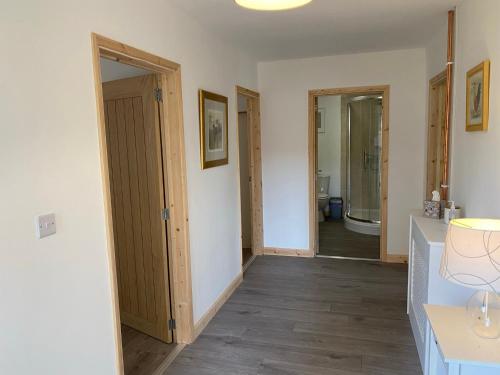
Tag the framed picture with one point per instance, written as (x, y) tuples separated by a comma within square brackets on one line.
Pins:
[(213, 129), (320, 120), (478, 96)]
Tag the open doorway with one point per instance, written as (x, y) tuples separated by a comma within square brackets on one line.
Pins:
[(142, 153), (349, 184), (250, 174), (138, 196), (245, 180)]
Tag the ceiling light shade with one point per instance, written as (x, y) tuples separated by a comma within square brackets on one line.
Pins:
[(271, 4)]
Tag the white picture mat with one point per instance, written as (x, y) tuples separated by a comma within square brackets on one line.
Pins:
[(215, 138), (476, 98)]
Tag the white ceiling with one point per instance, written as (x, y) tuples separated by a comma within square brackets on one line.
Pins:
[(325, 27)]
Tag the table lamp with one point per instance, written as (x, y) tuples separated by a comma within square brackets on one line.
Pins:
[(471, 258)]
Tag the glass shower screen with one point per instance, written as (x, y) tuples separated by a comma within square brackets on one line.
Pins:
[(364, 158)]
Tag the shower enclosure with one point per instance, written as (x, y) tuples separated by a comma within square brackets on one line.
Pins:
[(364, 150)]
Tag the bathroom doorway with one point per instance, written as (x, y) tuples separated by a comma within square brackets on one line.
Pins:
[(350, 172), (250, 174)]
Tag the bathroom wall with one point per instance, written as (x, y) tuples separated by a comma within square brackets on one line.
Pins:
[(329, 142), (284, 88)]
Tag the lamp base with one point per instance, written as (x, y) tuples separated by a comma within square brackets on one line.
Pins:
[(483, 312)]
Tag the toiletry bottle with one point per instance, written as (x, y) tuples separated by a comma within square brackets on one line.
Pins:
[(452, 213)]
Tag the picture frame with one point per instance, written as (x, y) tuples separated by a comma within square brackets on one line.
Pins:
[(320, 120), (477, 97), (213, 129)]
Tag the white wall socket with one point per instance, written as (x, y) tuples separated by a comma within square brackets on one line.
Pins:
[(45, 225)]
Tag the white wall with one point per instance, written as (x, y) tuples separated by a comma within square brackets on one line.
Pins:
[(329, 143), (284, 86), (56, 314), (475, 157), (436, 51)]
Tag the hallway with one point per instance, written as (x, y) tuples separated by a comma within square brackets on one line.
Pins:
[(308, 316)]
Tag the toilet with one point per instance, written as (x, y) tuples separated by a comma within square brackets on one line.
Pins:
[(323, 184)]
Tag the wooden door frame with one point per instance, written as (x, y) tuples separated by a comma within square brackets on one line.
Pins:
[(313, 199), (253, 98), (435, 81), (174, 165)]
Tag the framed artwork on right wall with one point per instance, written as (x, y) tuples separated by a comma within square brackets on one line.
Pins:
[(477, 97)]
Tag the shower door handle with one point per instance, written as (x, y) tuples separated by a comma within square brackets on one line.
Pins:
[(365, 159)]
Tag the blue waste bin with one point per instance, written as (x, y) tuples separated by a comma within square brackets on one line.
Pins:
[(336, 208)]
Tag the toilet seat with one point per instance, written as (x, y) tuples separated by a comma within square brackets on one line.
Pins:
[(322, 196)]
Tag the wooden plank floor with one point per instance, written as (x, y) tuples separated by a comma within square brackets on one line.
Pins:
[(142, 354), (300, 316), (336, 240)]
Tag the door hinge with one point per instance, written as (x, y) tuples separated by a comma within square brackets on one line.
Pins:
[(165, 214), (171, 324), (158, 94)]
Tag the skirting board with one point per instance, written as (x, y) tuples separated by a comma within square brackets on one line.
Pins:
[(396, 258), (286, 252), (309, 254), (207, 317)]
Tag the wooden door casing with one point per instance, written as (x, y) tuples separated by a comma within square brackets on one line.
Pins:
[(137, 199)]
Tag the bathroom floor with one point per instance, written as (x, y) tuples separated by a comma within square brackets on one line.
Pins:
[(336, 240)]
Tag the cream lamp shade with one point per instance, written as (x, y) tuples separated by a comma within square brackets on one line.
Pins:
[(472, 254), (270, 5)]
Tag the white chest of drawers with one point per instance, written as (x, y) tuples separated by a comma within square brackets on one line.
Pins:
[(454, 349), (425, 285)]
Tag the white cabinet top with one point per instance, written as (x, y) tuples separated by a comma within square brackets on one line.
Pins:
[(433, 230), (458, 343)]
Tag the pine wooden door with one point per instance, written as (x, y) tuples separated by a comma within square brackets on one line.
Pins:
[(133, 134)]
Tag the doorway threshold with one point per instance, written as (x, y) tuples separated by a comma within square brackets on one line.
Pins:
[(143, 354), (248, 263), (160, 370), (347, 258)]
